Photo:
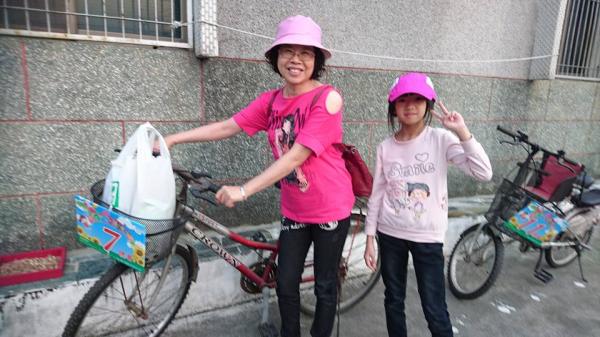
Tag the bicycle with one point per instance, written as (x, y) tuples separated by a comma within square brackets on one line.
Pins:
[(144, 303), (561, 186)]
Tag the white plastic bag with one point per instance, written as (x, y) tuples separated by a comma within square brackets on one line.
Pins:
[(140, 184)]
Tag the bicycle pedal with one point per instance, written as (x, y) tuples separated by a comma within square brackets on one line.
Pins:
[(543, 275), (267, 330)]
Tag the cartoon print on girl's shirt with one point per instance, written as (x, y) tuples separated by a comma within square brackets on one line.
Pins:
[(284, 140), (397, 193), (407, 195), (417, 193)]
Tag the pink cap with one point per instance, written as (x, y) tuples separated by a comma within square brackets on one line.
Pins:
[(300, 30), (412, 83)]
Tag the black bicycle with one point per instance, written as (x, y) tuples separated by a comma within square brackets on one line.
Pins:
[(560, 188)]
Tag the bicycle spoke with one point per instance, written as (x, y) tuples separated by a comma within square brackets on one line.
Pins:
[(151, 304)]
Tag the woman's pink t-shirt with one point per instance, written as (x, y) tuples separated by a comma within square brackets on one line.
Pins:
[(319, 190)]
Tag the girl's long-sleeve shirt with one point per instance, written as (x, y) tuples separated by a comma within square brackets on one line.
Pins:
[(410, 190)]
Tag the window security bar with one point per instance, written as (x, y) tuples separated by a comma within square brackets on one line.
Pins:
[(580, 46), (147, 22)]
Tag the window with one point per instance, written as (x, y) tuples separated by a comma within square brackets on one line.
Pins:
[(580, 46), (154, 22)]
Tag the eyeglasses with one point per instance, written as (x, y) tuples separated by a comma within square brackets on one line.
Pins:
[(303, 54)]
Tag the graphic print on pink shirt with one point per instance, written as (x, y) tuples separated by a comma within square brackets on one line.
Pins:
[(409, 195), (284, 140), (418, 193)]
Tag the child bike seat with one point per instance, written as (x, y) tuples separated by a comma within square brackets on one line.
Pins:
[(556, 181)]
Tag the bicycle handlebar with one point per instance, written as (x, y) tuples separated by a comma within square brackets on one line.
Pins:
[(200, 182), (522, 137)]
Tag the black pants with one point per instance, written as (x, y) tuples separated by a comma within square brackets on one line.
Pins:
[(294, 242), (428, 260)]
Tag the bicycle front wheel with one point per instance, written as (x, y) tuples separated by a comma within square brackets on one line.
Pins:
[(475, 262), (355, 278), (124, 302)]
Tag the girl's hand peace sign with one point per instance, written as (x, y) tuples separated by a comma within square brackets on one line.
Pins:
[(452, 121)]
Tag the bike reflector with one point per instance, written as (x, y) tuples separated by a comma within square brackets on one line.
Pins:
[(536, 223)]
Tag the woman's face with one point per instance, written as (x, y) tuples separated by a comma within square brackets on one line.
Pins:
[(296, 63), (410, 109)]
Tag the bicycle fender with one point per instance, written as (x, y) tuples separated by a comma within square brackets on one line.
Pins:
[(194, 255), (487, 228)]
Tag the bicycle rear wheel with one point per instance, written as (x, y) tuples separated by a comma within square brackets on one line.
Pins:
[(124, 302), (475, 262), (356, 279)]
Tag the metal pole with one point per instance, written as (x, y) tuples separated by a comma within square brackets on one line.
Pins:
[(156, 20), (584, 37), (140, 18), (104, 15), (47, 16), (26, 15), (87, 18), (122, 12)]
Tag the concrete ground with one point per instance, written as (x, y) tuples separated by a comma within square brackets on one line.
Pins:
[(517, 305)]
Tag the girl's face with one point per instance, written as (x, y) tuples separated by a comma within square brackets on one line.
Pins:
[(296, 63), (410, 109), (418, 194)]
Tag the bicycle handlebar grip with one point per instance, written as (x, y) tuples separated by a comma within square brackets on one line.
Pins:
[(505, 131), (214, 187)]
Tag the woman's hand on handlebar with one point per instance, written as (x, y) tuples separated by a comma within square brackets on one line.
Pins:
[(229, 195)]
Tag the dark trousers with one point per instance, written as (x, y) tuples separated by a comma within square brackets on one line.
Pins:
[(428, 260), (294, 242)]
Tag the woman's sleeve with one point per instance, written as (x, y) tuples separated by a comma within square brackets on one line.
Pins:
[(321, 128), (253, 118), (376, 198), (470, 157)]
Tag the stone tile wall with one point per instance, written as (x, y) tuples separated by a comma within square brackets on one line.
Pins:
[(65, 105)]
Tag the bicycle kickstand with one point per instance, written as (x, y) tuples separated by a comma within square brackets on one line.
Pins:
[(578, 250), (541, 273), (266, 328)]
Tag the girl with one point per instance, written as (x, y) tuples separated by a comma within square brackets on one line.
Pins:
[(302, 120), (409, 206)]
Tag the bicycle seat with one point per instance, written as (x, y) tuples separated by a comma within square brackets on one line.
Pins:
[(588, 198)]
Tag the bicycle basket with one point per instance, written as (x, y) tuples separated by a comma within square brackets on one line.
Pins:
[(509, 199), (161, 235)]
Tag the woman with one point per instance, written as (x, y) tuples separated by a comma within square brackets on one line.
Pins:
[(302, 119)]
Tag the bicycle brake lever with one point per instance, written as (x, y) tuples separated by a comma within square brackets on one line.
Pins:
[(199, 175), (196, 190), (207, 200)]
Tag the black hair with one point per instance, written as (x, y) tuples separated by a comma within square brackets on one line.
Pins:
[(273, 54), (417, 186), (392, 113)]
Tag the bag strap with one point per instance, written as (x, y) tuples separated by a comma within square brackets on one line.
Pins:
[(318, 95), (270, 107), (312, 103)]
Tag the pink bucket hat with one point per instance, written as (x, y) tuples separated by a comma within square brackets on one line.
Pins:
[(412, 83), (300, 30)]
